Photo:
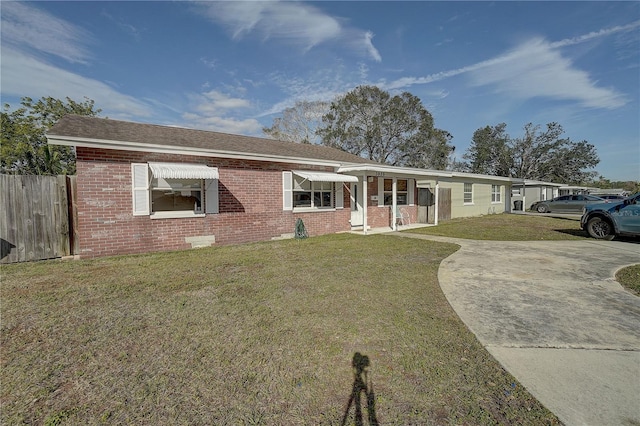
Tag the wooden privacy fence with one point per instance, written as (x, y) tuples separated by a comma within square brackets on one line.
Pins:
[(444, 204), (34, 223), (427, 201)]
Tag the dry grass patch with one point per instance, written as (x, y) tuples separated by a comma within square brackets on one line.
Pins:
[(508, 227), (252, 334)]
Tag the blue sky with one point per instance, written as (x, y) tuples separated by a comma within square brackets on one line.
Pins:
[(234, 66)]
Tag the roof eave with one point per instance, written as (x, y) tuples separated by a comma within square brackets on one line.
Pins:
[(383, 168), (165, 149)]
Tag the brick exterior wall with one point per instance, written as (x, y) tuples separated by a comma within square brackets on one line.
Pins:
[(381, 216), (250, 206)]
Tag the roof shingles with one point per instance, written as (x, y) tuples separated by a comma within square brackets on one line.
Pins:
[(102, 129)]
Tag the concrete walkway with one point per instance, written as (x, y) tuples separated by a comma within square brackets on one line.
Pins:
[(553, 315)]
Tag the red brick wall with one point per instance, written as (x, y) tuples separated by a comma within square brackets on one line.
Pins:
[(381, 216), (250, 202)]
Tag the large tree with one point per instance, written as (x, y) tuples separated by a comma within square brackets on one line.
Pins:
[(539, 154), (395, 130), (489, 151), (298, 123), (24, 147)]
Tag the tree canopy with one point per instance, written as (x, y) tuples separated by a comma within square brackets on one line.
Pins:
[(24, 148), (539, 154), (298, 123), (396, 130)]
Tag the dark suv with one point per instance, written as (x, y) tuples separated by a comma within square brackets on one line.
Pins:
[(605, 221)]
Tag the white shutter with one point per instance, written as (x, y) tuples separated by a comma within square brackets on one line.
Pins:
[(411, 190), (211, 196), (140, 188), (287, 191), (339, 195), (380, 191)]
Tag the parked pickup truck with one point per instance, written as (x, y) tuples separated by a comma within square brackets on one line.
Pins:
[(606, 221)]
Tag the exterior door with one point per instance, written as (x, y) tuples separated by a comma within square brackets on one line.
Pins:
[(357, 216)]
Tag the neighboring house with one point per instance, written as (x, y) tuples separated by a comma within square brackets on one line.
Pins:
[(143, 187), (612, 191), (475, 195), (575, 190), (530, 191)]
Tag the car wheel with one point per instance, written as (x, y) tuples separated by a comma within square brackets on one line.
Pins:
[(600, 229), (542, 208)]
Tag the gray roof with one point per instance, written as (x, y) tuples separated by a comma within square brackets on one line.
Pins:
[(79, 130)]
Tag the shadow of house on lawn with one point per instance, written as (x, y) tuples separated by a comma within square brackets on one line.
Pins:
[(361, 385)]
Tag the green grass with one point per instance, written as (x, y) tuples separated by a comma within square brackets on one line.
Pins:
[(629, 278), (250, 334), (508, 227)]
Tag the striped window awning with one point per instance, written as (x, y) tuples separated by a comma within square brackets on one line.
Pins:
[(324, 176), (183, 171)]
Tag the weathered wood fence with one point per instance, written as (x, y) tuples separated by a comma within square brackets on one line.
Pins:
[(427, 201), (444, 204), (35, 219)]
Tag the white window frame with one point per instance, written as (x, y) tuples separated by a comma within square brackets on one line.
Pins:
[(467, 200), (496, 194), (292, 184), (382, 194), (389, 194), (142, 191)]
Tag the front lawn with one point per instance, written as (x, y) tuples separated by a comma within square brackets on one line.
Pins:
[(508, 227), (250, 334), (629, 278)]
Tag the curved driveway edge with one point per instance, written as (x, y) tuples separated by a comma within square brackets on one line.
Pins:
[(553, 315)]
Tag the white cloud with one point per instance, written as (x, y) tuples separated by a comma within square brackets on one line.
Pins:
[(214, 102), (215, 110), (235, 126), (28, 29), (28, 26), (370, 48), (535, 68), (596, 34), (322, 85), (23, 75), (292, 22)]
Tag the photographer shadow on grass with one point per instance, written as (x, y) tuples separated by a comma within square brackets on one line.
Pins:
[(360, 363)]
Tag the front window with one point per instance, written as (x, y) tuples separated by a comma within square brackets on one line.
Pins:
[(171, 195), (402, 193), (468, 193), (495, 193), (312, 194)]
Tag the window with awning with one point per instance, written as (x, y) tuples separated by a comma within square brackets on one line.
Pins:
[(324, 176), (307, 189), (182, 171), (174, 189)]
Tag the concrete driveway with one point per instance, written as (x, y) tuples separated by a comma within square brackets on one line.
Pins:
[(553, 315)]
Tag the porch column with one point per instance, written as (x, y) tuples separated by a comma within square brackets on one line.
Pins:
[(394, 206), (365, 203), (436, 213)]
